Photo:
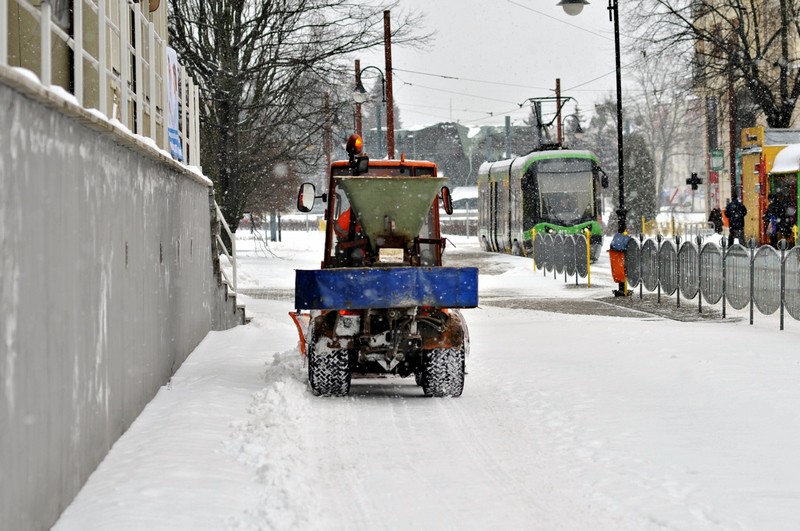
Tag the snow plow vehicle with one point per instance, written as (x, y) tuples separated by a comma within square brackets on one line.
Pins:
[(382, 304)]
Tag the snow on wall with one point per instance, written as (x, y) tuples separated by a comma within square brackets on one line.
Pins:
[(106, 286)]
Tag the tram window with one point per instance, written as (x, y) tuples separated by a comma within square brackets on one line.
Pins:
[(566, 190), (564, 166)]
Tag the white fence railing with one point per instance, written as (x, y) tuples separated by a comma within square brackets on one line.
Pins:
[(128, 62), (232, 254)]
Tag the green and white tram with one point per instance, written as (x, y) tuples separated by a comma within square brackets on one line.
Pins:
[(555, 191)]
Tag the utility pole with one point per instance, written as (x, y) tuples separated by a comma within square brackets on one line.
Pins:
[(560, 132), (387, 40), (327, 111), (358, 105), (732, 123), (508, 138)]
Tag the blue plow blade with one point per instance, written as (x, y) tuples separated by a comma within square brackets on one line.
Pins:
[(390, 287)]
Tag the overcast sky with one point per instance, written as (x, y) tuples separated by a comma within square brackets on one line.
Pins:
[(502, 52)]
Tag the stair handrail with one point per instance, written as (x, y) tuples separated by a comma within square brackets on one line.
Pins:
[(232, 255)]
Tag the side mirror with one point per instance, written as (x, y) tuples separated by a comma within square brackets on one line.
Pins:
[(305, 197), (447, 200), (603, 178)]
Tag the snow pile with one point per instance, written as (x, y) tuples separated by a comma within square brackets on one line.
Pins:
[(272, 442)]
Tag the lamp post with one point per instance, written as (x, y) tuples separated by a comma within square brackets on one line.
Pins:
[(574, 7), (578, 131), (414, 145), (360, 96)]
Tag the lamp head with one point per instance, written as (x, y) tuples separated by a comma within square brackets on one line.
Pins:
[(360, 94), (572, 7)]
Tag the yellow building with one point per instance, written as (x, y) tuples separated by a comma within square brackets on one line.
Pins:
[(760, 146)]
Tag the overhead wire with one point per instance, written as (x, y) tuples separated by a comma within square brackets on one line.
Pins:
[(562, 21), (491, 114), (456, 78), (455, 92)]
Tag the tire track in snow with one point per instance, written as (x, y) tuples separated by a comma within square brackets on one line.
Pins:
[(412, 427), (505, 481), (343, 466)]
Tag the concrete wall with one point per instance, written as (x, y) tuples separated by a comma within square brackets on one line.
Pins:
[(107, 283)]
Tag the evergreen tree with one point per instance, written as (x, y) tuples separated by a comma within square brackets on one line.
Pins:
[(641, 199)]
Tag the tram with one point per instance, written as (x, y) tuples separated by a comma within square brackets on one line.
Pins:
[(549, 190)]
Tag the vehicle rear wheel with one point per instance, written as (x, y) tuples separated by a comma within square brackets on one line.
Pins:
[(444, 372), (328, 372)]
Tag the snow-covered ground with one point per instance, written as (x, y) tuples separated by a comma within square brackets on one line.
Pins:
[(568, 421)]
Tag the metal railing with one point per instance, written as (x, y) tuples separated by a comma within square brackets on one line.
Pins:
[(677, 228), (130, 62), (764, 278), (758, 278), (232, 254), (563, 254)]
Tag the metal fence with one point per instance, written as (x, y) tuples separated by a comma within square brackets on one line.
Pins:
[(562, 254), (676, 228), (761, 278)]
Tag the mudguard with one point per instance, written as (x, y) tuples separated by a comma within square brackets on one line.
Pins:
[(454, 335)]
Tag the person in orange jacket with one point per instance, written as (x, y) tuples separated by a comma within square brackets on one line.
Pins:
[(352, 243), (342, 226)]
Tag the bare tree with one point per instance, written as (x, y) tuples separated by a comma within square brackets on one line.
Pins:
[(750, 42), (666, 114), (263, 68)]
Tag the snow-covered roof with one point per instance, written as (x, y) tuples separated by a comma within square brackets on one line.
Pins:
[(464, 192), (777, 137), (787, 160)]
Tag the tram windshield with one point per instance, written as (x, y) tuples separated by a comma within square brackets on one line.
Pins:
[(565, 190)]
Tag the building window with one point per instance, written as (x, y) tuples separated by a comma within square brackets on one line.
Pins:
[(62, 13)]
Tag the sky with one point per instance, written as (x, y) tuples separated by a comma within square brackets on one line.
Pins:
[(501, 53), (568, 421)]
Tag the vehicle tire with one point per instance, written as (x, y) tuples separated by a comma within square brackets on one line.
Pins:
[(328, 373), (419, 377), (444, 372)]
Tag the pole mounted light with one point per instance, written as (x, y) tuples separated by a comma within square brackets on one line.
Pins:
[(578, 132), (574, 7), (360, 95)]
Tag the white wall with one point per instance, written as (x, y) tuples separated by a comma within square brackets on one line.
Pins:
[(106, 285)]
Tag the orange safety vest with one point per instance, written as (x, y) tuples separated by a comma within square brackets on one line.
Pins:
[(342, 225)]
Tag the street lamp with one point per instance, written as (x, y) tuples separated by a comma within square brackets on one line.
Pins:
[(360, 96), (578, 131), (574, 7)]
